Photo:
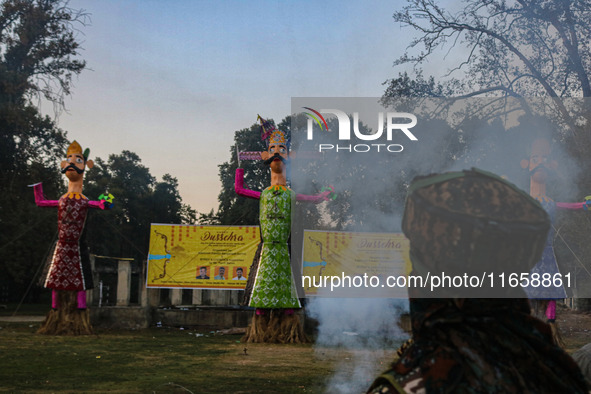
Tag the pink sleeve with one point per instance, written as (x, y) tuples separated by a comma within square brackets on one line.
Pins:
[(97, 204), (571, 205), (239, 186), (316, 199), (40, 199)]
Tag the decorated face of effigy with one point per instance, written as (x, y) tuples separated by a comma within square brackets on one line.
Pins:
[(539, 163), (75, 163), (277, 156)]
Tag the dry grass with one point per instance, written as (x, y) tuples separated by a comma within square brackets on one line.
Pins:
[(169, 361), (181, 361)]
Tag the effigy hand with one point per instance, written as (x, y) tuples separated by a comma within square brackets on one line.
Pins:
[(328, 193), (106, 201)]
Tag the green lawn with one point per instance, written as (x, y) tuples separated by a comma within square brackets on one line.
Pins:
[(167, 361)]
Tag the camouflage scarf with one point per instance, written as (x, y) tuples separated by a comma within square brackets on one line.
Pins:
[(481, 346)]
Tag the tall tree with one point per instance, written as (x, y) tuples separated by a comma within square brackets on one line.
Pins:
[(235, 210), (38, 58), (511, 48), (519, 49), (39, 55), (139, 201)]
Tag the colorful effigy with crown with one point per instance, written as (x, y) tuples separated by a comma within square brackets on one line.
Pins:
[(69, 275), (271, 287)]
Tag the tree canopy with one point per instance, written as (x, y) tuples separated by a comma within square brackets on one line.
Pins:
[(139, 201), (533, 54), (39, 57)]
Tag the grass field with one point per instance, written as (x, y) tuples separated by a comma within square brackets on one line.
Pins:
[(170, 360)]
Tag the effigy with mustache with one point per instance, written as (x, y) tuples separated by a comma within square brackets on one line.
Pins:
[(541, 167), (68, 273), (270, 287)]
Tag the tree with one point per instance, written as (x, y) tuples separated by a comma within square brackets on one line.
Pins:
[(235, 210), (519, 49), (139, 201), (38, 58), (40, 49), (510, 48)]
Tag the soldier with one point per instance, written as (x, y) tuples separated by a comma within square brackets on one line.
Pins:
[(474, 221)]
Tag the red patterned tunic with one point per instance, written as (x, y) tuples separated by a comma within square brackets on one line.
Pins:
[(68, 271), (65, 272)]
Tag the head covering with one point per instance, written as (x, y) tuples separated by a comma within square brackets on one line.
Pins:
[(75, 148), (472, 222), (271, 134)]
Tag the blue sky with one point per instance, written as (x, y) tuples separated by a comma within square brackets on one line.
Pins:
[(173, 80)]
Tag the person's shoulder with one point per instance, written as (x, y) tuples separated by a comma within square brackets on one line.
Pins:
[(391, 382)]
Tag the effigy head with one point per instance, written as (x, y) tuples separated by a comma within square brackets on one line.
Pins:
[(76, 161), (277, 153), (472, 222), (539, 162)]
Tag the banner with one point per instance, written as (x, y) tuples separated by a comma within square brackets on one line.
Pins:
[(200, 257), (349, 264)]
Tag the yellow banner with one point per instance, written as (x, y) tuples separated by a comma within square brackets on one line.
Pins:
[(201, 257), (349, 263)]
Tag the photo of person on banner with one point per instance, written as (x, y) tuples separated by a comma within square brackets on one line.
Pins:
[(202, 273), (221, 274), (239, 274)]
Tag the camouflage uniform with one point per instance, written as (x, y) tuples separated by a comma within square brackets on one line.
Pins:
[(475, 222)]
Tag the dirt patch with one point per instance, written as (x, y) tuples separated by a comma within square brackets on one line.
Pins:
[(574, 326)]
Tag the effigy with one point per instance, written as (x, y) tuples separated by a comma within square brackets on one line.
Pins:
[(271, 287), (69, 274), (540, 165)]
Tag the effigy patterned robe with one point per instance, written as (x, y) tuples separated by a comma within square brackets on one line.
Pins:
[(274, 286), (67, 271), (547, 264)]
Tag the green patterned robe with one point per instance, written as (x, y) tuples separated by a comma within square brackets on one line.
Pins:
[(274, 286)]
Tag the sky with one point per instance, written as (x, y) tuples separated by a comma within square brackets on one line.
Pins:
[(173, 80)]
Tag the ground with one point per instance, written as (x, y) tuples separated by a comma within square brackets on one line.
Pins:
[(575, 328), (171, 360)]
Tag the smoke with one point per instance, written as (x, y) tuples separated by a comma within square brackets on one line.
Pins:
[(371, 182), (451, 135), (364, 331)]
